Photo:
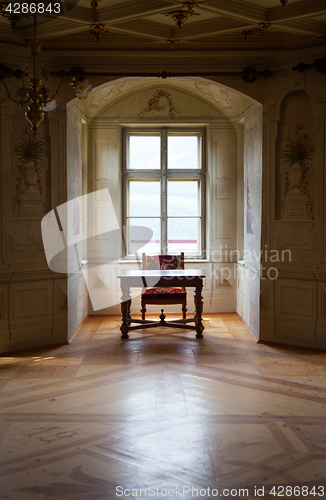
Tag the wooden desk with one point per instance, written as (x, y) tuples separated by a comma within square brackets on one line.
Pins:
[(171, 278)]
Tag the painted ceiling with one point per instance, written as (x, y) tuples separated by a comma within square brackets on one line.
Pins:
[(144, 25)]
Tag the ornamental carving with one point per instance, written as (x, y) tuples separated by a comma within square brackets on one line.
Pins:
[(19, 242), (302, 237)]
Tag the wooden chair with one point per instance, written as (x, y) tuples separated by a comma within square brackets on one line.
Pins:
[(168, 295)]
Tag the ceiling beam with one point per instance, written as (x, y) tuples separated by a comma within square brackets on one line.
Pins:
[(217, 26), (59, 27), (80, 15), (195, 30), (145, 29), (236, 9), (133, 10), (297, 10), (310, 28), (118, 13)]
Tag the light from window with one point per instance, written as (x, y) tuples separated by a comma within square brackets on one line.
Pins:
[(183, 217), (144, 152), (183, 151), (164, 184), (145, 210), (144, 198)]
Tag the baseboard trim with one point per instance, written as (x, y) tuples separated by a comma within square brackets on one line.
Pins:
[(247, 327), (293, 342), (77, 330), (292, 346)]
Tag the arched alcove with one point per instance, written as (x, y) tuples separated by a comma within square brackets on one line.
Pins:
[(232, 125)]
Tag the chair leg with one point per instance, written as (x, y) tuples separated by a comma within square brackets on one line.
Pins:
[(143, 310), (184, 310)]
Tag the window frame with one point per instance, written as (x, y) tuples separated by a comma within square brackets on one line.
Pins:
[(163, 174)]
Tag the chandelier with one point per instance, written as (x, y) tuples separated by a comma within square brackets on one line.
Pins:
[(34, 92)]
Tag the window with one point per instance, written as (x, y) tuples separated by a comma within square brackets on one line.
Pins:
[(164, 189)]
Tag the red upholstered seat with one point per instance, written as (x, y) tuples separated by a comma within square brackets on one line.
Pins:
[(164, 290)]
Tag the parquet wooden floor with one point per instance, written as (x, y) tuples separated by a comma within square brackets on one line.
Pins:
[(162, 410)]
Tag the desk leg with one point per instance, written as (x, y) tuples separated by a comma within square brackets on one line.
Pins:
[(199, 311), (128, 313), (125, 310)]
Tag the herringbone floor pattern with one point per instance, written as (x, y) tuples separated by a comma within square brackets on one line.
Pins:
[(161, 410)]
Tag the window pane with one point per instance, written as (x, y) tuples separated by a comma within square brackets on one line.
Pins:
[(183, 236), (154, 246), (183, 198), (183, 151), (144, 198), (144, 152)]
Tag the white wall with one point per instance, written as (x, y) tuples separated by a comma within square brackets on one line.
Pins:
[(77, 293), (248, 273)]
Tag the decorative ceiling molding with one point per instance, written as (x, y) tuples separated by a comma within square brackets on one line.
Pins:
[(181, 16), (14, 19), (94, 3), (173, 42), (249, 34), (248, 75), (97, 30)]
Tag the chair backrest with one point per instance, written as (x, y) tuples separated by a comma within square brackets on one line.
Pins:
[(163, 261)]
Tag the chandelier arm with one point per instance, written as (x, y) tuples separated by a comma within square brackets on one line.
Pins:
[(55, 95), (5, 86), (57, 91), (8, 93)]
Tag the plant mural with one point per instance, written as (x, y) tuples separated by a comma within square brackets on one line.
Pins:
[(299, 148), (29, 152), (297, 164), (160, 101)]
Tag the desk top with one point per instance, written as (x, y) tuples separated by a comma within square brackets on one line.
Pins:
[(160, 278), (157, 273)]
